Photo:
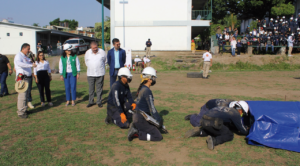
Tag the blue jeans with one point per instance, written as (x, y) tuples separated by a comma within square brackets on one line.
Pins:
[(113, 78), (232, 51), (3, 77), (70, 86), (269, 45)]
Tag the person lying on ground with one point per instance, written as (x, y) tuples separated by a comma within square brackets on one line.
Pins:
[(231, 112), (145, 102), (120, 100), (212, 123)]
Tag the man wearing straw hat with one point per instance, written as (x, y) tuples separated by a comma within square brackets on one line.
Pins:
[(23, 66)]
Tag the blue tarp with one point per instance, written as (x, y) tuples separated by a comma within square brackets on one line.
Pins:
[(276, 124)]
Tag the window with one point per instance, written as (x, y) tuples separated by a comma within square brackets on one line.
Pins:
[(71, 42), (21, 33), (8, 34)]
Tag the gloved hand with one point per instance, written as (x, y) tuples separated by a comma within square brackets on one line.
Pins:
[(133, 106), (123, 118)]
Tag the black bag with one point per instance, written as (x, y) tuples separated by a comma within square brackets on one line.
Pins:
[(145, 48)]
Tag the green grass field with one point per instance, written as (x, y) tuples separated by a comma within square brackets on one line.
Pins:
[(78, 136)]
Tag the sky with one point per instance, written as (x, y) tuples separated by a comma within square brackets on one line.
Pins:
[(27, 12)]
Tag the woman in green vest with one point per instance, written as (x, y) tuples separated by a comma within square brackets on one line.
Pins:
[(69, 68)]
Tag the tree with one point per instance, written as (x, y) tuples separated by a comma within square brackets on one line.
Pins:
[(283, 10), (55, 22), (35, 24), (98, 30), (73, 24)]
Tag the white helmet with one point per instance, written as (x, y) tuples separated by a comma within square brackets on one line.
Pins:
[(283, 23), (280, 19), (124, 71), (271, 19), (292, 34), (220, 37), (68, 47), (149, 71), (242, 104), (283, 17), (286, 21), (296, 19), (291, 18), (275, 20), (137, 56), (250, 32), (274, 27), (266, 32), (298, 28)]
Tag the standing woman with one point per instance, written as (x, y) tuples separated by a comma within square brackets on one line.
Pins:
[(233, 46), (145, 102), (69, 68), (42, 74)]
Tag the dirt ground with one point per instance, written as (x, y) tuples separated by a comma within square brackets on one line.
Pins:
[(80, 136)]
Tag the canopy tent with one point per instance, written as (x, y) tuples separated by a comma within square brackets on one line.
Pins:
[(276, 124)]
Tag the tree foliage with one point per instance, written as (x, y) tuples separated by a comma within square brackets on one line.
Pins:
[(98, 30), (283, 10), (55, 22), (35, 24), (73, 24), (249, 8)]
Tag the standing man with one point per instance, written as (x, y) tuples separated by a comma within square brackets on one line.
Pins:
[(290, 44), (148, 49), (58, 52), (116, 58), (95, 61), (23, 67), (207, 58), (4, 66)]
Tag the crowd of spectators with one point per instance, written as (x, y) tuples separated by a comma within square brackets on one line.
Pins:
[(269, 33)]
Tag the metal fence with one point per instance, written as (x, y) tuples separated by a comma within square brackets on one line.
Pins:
[(201, 15)]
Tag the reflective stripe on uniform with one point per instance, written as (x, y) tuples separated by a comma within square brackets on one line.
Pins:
[(117, 98), (152, 104)]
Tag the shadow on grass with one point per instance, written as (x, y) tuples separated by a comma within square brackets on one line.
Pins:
[(296, 77)]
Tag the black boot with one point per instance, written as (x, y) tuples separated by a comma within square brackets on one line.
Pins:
[(108, 120), (132, 132), (211, 142), (193, 132), (188, 117)]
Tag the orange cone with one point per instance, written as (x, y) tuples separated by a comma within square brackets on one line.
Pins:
[(133, 67)]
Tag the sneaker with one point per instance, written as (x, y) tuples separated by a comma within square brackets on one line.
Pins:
[(89, 105), (132, 132), (30, 105), (42, 104), (50, 104), (24, 116), (210, 142), (193, 132), (100, 105)]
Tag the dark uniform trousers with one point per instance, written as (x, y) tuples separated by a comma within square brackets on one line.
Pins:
[(216, 129), (114, 114), (145, 129)]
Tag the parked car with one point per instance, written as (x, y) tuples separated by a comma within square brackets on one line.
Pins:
[(78, 45)]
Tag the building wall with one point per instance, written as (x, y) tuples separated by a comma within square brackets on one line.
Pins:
[(162, 38), (166, 22), (12, 44)]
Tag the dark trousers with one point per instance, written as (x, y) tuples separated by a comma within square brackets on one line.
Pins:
[(195, 119), (239, 50), (28, 96), (113, 78), (147, 131), (3, 77), (223, 135), (44, 85), (245, 47), (113, 112), (98, 82)]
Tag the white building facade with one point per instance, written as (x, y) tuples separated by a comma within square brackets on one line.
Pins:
[(168, 23)]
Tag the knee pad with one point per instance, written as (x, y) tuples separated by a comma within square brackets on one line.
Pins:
[(216, 123)]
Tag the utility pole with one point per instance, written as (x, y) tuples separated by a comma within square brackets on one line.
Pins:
[(103, 47), (123, 2)]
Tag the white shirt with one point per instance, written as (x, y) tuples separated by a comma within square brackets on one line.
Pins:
[(226, 37), (23, 64), (146, 60), (41, 66), (137, 60), (69, 67), (95, 63), (233, 43), (207, 57)]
